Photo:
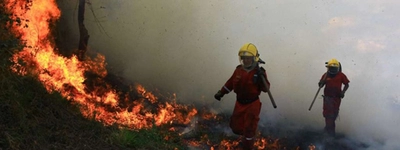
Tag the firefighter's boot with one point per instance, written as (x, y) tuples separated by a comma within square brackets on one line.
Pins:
[(248, 144)]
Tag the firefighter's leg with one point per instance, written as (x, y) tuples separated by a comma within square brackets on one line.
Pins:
[(237, 120), (330, 125), (251, 123), (249, 132), (236, 124), (333, 116), (329, 115), (248, 143)]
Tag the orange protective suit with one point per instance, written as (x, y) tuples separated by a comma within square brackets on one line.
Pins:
[(247, 86), (332, 99)]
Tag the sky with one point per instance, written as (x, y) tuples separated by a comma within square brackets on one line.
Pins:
[(190, 48)]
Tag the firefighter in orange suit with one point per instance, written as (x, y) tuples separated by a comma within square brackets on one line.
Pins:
[(246, 82), (333, 80)]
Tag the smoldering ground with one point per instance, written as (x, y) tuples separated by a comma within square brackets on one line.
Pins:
[(190, 48)]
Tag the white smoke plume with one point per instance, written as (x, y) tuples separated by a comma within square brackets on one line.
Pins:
[(190, 48)]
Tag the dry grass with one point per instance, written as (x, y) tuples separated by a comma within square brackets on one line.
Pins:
[(32, 118)]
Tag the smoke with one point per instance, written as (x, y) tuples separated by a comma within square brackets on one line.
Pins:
[(190, 48)]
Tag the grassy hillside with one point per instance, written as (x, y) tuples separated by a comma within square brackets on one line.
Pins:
[(32, 118)]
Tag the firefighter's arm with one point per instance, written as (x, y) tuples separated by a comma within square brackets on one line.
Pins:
[(227, 88), (322, 81), (346, 86)]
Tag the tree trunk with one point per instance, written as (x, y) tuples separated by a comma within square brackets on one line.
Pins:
[(83, 32)]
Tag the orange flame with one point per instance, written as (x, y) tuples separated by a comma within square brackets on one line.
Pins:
[(66, 75)]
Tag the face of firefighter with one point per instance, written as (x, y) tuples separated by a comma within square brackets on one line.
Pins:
[(333, 70), (247, 61)]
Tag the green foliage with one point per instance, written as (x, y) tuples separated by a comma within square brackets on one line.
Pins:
[(153, 138)]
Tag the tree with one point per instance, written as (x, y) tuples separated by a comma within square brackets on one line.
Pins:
[(83, 32)]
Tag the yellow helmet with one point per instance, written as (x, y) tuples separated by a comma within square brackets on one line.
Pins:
[(332, 63), (333, 66), (249, 49)]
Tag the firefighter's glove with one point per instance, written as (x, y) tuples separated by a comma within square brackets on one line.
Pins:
[(257, 76), (342, 94), (218, 95), (261, 72), (321, 83)]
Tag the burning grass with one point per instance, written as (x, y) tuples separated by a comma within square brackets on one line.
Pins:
[(33, 118), (49, 101)]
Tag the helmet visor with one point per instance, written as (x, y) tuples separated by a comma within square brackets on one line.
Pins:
[(247, 61), (333, 70)]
